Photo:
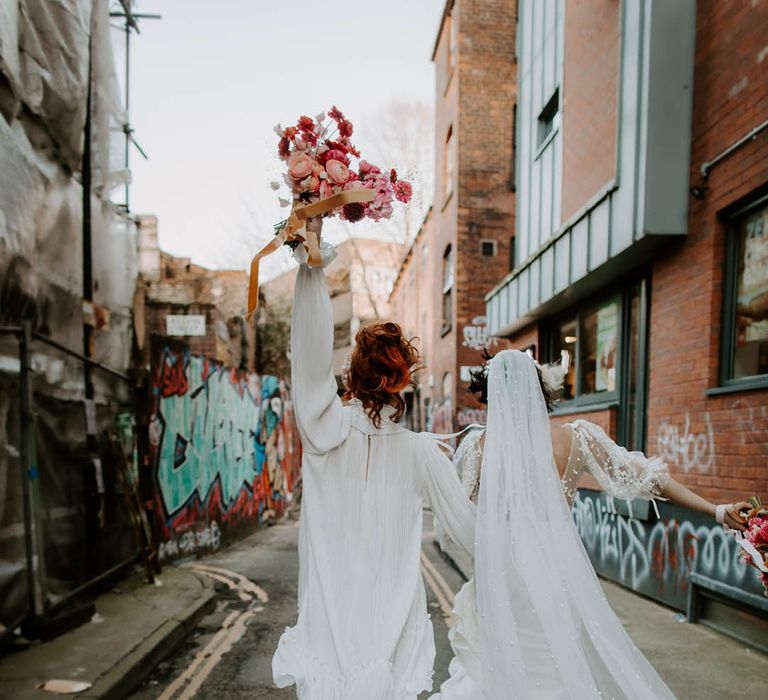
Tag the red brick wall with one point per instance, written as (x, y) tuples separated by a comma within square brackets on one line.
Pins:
[(730, 99), (589, 100), (487, 95)]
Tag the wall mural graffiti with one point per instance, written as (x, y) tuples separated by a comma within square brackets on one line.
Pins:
[(657, 557), (223, 448), (441, 418)]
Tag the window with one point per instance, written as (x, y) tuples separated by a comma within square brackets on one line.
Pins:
[(450, 165), (591, 340), (447, 290), (447, 385), (549, 119), (745, 306), (488, 248), (512, 259), (606, 341)]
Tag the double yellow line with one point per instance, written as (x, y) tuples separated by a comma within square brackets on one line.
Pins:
[(186, 685)]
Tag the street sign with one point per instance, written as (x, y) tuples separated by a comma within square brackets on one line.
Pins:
[(185, 325)]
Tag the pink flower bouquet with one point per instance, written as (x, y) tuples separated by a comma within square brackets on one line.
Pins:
[(319, 154), (754, 541)]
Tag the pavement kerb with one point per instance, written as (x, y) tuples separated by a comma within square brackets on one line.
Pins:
[(138, 664)]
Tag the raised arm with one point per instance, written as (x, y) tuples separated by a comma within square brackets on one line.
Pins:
[(444, 494), (322, 421)]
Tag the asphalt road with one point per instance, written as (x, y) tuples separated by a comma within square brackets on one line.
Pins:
[(229, 655)]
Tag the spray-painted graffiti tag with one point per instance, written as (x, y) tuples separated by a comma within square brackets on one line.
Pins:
[(657, 558), (687, 449), (222, 445)]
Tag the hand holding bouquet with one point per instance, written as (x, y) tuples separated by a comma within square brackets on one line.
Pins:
[(754, 540)]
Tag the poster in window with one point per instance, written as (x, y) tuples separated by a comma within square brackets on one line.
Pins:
[(607, 323), (752, 294)]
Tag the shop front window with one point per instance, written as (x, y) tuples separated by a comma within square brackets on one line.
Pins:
[(747, 321), (591, 340)]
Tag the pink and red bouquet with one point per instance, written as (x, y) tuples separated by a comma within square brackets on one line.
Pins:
[(754, 541), (320, 160)]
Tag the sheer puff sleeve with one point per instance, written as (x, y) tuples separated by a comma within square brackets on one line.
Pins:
[(622, 474), (444, 494)]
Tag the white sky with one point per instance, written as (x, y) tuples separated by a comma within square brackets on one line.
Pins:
[(211, 79)]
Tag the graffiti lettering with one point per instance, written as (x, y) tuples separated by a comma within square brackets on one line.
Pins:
[(685, 449), (658, 558), (222, 445), (207, 539), (476, 334)]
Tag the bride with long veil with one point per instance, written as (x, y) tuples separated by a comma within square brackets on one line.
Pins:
[(535, 623)]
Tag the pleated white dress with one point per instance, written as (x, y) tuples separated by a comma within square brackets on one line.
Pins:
[(363, 631)]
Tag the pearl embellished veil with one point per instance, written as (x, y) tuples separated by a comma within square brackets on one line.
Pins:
[(546, 629)]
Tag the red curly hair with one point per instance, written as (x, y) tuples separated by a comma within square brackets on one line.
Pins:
[(381, 366)]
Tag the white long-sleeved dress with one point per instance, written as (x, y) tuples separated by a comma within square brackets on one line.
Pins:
[(363, 631)]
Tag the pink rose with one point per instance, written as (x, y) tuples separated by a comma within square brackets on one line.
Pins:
[(337, 171), (299, 166), (317, 169), (310, 184), (326, 189)]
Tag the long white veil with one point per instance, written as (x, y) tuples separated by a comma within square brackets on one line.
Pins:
[(546, 629)]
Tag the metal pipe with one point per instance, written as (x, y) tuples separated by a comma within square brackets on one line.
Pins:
[(706, 166), (10, 330), (133, 559), (79, 356), (33, 535)]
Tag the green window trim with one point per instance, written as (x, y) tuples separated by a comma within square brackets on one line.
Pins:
[(727, 382)]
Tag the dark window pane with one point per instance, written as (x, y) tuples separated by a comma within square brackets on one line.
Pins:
[(598, 343), (634, 439), (750, 355), (565, 339)]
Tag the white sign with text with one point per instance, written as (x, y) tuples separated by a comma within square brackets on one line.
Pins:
[(185, 325)]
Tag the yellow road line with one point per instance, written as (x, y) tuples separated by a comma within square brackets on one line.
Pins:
[(200, 657), (438, 577), (246, 583), (233, 635)]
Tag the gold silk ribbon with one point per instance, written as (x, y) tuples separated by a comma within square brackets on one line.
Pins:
[(295, 229)]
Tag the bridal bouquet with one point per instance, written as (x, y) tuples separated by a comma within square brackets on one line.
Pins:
[(324, 181), (754, 541), (319, 157)]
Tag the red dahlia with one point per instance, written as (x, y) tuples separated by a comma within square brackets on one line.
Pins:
[(354, 211)]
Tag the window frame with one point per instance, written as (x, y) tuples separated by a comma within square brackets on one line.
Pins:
[(726, 381), (449, 174), (446, 288), (619, 398)]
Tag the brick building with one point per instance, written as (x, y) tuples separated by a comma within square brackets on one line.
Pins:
[(641, 249), (464, 245), (213, 302)]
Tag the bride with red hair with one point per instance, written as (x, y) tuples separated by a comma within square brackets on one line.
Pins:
[(363, 630)]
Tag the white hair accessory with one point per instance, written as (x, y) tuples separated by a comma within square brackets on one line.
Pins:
[(553, 376)]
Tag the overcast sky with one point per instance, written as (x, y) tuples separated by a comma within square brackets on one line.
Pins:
[(211, 79)]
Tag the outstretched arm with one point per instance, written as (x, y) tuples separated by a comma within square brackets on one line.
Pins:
[(628, 475), (320, 416)]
